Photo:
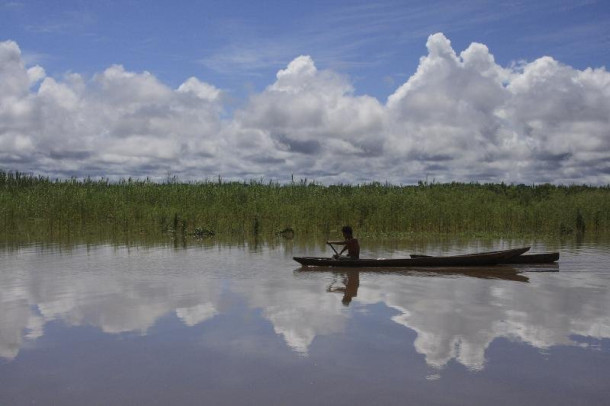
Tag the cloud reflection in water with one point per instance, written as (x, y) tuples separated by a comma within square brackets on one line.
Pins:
[(456, 317)]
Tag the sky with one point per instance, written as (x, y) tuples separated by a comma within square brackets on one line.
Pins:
[(328, 91)]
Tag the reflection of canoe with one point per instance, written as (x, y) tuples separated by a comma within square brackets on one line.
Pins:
[(545, 258), (482, 272), (483, 258)]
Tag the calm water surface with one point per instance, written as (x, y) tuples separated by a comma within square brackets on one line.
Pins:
[(244, 325)]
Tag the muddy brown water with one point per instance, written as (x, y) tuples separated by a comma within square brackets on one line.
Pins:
[(224, 324)]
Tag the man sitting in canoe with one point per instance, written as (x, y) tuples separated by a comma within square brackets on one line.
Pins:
[(350, 244)]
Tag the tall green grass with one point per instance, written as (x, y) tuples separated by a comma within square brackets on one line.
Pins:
[(40, 209)]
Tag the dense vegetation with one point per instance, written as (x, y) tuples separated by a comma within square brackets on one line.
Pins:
[(41, 209)]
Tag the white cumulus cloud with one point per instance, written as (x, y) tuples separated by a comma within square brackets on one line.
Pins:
[(459, 117)]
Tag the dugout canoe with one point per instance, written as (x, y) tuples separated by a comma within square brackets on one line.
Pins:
[(544, 258), (479, 259)]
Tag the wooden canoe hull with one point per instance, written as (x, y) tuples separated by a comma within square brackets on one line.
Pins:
[(480, 259), (545, 258)]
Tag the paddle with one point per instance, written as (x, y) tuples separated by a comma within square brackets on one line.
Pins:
[(331, 246)]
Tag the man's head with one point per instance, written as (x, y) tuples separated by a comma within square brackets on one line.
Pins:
[(347, 231)]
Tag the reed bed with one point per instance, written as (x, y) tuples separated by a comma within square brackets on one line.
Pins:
[(40, 209)]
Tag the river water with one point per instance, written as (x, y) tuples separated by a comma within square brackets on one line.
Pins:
[(243, 324)]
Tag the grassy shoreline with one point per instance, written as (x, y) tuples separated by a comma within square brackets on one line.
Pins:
[(41, 209)]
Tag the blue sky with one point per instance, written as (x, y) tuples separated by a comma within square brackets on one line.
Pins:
[(241, 44), (238, 48)]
